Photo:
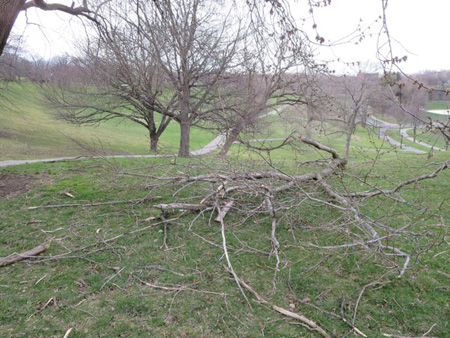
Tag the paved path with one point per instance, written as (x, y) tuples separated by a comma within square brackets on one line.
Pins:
[(211, 146), (383, 127), (218, 141), (404, 133)]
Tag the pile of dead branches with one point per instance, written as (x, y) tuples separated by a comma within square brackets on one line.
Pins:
[(275, 193)]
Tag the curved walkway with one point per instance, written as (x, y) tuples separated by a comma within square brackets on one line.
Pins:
[(383, 127), (211, 146), (404, 133), (218, 141)]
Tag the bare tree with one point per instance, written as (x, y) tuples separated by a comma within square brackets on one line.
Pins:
[(311, 88), (260, 86), (352, 97), (10, 9), (194, 43), (413, 101), (129, 83)]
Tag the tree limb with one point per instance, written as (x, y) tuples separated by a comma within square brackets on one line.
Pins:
[(77, 11), (310, 324), (4, 261)]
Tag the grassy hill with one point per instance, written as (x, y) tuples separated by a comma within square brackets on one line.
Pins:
[(29, 131), (118, 267)]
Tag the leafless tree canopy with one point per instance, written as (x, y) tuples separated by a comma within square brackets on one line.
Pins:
[(10, 9)]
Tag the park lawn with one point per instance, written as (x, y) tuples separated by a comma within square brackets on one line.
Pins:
[(437, 105), (29, 131), (425, 136), (365, 142), (132, 286), (107, 271), (394, 134)]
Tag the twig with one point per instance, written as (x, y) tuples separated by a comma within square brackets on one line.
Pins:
[(40, 279), (309, 323), (161, 268), (110, 278), (68, 332), (401, 336), (273, 238), (372, 193), (4, 261), (135, 201), (182, 206), (224, 211), (180, 288), (205, 240), (164, 230), (361, 293), (429, 330), (51, 300), (230, 267)]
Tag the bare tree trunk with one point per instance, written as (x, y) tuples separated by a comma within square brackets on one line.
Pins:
[(350, 131), (308, 130), (309, 120), (185, 130), (9, 9), (364, 118), (232, 136), (154, 142)]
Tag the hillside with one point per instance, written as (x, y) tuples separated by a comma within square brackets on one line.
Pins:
[(28, 130)]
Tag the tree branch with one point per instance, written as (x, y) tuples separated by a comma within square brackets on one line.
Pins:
[(77, 11), (4, 261)]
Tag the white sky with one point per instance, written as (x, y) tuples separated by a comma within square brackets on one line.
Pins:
[(420, 26)]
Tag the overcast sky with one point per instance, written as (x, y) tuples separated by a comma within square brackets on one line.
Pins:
[(420, 27)]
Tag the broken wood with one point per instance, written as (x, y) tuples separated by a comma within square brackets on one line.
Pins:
[(309, 323), (182, 206), (68, 332), (4, 261), (224, 211), (135, 201)]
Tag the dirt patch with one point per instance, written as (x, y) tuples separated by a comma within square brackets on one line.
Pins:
[(11, 185)]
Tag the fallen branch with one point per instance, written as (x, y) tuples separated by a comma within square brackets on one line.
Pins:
[(135, 201), (182, 206), (321, 147), (310, 324), (230, 266), (4, 261), (224, 211), (378, 191), (179, 288)]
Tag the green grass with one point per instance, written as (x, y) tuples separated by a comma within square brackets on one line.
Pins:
[(434, 139), (437, 105), (107, 274), (29, 131), (394, 134), (96, 286)]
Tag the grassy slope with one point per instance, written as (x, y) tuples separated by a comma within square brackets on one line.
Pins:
[(98, 292), (432, 105), (28, 131), (428, 137)]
